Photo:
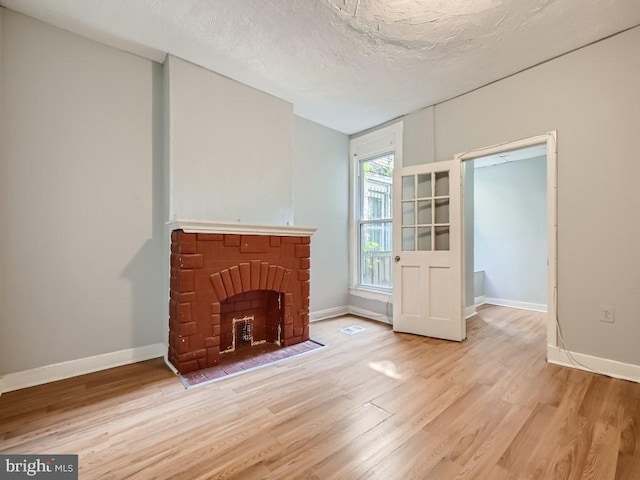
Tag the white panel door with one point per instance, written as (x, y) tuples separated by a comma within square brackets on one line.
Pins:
[(427, 273)]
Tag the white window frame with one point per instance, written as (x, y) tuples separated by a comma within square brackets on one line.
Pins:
[(379, 142)]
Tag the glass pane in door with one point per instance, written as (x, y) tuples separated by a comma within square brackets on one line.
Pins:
[(442, 238), (442, 184), (408, 187), (424, 238), (424, 212), (408, 239), (442, 211), (408, 213), (424, 185)]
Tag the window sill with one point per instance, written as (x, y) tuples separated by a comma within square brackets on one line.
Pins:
[(381, 295)]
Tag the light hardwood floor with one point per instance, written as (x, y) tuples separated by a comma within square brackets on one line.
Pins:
[(370, 405)]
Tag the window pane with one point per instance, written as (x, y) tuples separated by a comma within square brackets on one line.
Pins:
[(375, 254), (375, 209), (377, 179)]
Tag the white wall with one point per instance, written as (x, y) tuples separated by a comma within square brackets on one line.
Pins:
[(510, 231), (591, 98), (79, 220), (321, 192), (230, 149)]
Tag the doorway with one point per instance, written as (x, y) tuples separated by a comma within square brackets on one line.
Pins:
[(543, 143), (509, 229)]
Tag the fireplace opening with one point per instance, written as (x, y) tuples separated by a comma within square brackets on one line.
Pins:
[(250, 319), (242, 333)]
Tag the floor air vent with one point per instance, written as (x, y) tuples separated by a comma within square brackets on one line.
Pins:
[(351, 330)]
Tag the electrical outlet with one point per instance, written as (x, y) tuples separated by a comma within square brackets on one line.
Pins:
[(607, 314)]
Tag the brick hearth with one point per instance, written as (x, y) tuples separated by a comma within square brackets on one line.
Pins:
[(216, 278)]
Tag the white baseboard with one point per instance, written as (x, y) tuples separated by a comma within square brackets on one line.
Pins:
[(469, 312), (346, 310), (481, 300), (72, 368), (167, 362), (588, 363), (379, 317), (536, 307), (328, 313)]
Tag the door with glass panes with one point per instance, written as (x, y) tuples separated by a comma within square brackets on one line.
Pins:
[(427, 272)]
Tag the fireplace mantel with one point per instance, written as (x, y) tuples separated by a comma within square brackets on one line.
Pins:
[(201, 226)]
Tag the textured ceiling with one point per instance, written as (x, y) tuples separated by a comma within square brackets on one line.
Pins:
[(347, 64)]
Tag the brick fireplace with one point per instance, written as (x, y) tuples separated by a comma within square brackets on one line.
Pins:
[(231, 290)]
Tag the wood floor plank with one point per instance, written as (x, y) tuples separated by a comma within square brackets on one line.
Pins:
[(601, 459), (628, 458), (365, 452), (566, 456), (422, 452), (484, 461), (532, 434), (374, 404), (305, 454)]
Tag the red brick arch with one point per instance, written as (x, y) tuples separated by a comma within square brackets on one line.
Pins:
[(248, 276)]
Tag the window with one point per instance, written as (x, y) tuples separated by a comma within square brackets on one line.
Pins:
[(374, 157), (374, 221)]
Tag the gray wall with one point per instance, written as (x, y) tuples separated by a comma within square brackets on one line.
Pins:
[(160, 116), (510, 230), (227, 153), (92, 137), (230, 149), (418, 143), (591, 98), (321, 192), (235, 153), (79, 210), (3, 335)]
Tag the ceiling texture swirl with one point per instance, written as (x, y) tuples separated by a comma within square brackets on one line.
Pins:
[(347, 64)]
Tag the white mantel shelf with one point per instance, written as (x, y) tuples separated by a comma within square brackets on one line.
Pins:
[(200, 226)]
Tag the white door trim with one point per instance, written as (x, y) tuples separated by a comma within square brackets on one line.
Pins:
[(550, 140)]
